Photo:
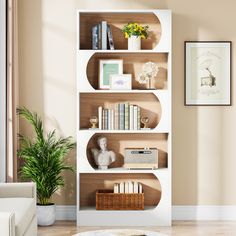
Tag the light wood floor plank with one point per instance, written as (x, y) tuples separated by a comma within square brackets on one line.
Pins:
[(179, 228)]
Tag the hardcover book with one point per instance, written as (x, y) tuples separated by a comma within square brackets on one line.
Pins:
[(122, 116), (95, 37), (104, 35), (110, 37), (126, 116)]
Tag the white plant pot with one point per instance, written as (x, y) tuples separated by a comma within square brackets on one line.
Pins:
[(46, 214), (134, 43)]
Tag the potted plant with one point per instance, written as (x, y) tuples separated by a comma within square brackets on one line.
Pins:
[(43, 162), (134, 32)]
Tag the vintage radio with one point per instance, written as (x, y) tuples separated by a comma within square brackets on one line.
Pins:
[(141, 158)]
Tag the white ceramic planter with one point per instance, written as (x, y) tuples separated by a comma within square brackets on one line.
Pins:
[(46, 215), (134, 43)]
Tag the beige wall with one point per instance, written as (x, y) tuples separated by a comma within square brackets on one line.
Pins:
[(203, 137)]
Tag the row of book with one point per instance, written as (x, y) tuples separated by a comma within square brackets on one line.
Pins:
[(125, 116), (128, 187), (102, 37)]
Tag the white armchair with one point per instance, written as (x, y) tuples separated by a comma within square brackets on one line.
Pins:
[(18, 209)]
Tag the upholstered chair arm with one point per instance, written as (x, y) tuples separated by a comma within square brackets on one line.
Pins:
[(7, 223), (26, 190)]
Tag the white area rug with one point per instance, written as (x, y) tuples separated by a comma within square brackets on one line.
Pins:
[(120, 232)]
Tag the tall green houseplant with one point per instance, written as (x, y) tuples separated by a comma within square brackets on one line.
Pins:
[(43, 157)]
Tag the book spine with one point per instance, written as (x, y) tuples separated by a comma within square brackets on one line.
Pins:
[(126, 116), (95, 37), (106, 119), (99, 36), (100, 117), (104, 35), (116, 188), (139, 118), (122, 116), (135, 187), (122, 187), (112, 119), (103, 119), (140, 188), (126, 187), (131, 117), (131, 187), (110, 37), (135, 117), (109, 119), (116, 116)]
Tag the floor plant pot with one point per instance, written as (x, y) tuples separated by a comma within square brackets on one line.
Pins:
[(134, 43), (46, 214)]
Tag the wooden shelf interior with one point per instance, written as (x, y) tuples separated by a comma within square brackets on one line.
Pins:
[(132, 64), (89, 103), (89, 183), (117, 20), (117, 142)]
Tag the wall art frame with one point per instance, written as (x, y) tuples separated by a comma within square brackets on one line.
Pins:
[(207, 73)]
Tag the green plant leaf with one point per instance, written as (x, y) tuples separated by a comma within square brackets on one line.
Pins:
[(43, 157)]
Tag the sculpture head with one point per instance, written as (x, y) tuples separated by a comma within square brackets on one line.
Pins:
[(102, 143)]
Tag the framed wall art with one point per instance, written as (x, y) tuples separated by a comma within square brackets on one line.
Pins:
[(121, 82), (107, 68), (208, 73)]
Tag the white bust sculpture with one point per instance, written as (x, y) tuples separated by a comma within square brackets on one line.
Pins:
[(103, 158)]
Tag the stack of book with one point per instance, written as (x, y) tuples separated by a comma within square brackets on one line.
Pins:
[(128, 187), (125, 116), (102, 37)]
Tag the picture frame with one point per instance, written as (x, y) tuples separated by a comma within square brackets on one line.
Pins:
[(207, 73), (106, 68), (121, 81)]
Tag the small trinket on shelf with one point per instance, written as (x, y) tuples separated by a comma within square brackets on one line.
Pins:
[(94, 121)]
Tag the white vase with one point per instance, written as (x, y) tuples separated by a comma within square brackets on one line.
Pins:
[(46, 214), (134, 43)]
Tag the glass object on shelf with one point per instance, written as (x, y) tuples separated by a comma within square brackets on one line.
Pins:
[(148, 74)]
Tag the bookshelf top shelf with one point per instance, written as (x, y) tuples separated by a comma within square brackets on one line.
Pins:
[(116, 20), (114, 11)]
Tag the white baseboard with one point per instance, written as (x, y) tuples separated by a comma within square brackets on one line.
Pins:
[(65, 212), (178, 212), (204, 212)]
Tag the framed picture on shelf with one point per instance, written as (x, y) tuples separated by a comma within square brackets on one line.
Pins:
[(107, 68), (208, 73), (121, 81)]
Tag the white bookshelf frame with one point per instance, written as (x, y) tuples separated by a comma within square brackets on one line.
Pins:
[(161, 214)]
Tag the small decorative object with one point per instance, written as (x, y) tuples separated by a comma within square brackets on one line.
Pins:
[(121, 82), (103, 158), (134, 32), (207, 73), (149, 72), (107, 68), (141, 158), (145, 120), (94, 120)]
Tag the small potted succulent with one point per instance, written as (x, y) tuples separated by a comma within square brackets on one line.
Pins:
[(43, 162), (134, 32)]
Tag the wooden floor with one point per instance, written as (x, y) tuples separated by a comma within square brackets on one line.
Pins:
[(179, 228)]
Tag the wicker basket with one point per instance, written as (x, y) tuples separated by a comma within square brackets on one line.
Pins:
[(108, 200)]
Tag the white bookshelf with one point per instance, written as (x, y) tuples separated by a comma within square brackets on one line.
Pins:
[(160, 135)]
